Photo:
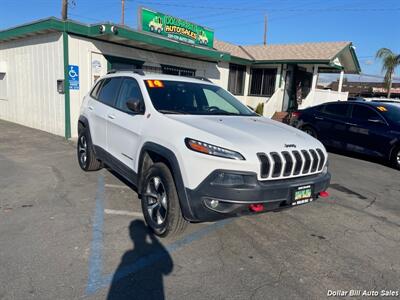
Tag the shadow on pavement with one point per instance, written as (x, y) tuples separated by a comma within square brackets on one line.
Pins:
[(136, 276)]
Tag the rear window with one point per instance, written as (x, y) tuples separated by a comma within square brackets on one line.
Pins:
[(95, 91), (336, 109)]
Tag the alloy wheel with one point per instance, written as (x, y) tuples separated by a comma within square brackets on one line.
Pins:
[(156, 198)]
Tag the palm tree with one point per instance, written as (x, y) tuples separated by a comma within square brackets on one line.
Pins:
[(390, 62)]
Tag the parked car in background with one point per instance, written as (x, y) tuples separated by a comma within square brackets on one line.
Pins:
[(367, 127)]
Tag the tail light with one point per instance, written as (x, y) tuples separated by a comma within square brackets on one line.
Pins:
[(296, 114)]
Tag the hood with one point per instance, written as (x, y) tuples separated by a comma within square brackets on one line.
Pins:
[(258, 134)]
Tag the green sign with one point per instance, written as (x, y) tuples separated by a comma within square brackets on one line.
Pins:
[(175, 28)]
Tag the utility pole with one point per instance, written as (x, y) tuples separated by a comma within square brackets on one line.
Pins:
[(122, 12), (64, 10), (265, 29)]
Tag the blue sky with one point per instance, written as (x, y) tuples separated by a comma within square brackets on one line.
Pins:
[(369, 24)]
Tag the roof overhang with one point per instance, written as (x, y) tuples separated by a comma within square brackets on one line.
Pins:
[(115, 34)]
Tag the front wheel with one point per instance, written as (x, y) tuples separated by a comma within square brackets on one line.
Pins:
[(86, 156), (160, 202), (395, 160)]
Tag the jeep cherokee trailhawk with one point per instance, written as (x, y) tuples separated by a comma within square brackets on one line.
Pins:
[(194, 152)]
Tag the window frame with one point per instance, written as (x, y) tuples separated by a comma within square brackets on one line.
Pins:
[(119, 93), (236, 68), (275, 70)]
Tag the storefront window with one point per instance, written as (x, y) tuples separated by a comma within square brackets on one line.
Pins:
[(262, 82), (172, 70), (236, 79)]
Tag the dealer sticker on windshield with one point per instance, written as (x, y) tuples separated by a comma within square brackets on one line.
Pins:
[(302, 195)]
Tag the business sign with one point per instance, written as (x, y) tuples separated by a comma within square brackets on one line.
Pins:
[(384, 90), (73, 77), (175, 28)]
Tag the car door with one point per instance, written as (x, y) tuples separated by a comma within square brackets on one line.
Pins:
[(99, 106), (332, 123), (368, 130), (124, 127)]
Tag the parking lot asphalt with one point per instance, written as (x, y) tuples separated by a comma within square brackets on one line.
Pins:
[(66, 234)]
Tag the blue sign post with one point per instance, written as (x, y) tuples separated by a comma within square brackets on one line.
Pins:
[(73, 77)]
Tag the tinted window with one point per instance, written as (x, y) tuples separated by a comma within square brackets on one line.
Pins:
[(95, 92), (365, 113), (109, 90), (336, 109), (129, 90)]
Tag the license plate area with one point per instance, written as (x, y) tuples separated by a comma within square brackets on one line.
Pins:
[(302, 195)]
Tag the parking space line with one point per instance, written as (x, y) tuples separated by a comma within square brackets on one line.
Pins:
[(117, 186), (123, 213), (96, 278)]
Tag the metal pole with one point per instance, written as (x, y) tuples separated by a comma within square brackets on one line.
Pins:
[(265, 29), (64, 10), (123, 12)]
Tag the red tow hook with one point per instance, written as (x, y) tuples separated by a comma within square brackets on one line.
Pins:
[(324, 194), (256, 207)]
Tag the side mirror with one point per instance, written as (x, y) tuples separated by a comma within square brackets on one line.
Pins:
[(135, 105)]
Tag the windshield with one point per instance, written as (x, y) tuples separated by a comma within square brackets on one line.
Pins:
[(390, 111), (177, 97)]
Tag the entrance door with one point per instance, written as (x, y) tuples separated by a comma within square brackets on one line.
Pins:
[(124, 127)]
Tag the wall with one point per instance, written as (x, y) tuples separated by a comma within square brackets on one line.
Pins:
[(33, 65), (83, 51)]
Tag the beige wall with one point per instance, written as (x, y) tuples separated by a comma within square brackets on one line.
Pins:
[(33, 65)]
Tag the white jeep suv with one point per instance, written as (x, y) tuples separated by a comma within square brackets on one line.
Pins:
[(194, 152)]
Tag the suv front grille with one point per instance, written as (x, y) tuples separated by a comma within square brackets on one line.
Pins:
[(291, 163)]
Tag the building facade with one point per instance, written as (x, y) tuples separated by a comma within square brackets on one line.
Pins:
[(47, 67)]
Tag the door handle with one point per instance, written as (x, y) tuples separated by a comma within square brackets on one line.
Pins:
[(112, 117), (350, 124), (90, 107), (319, 118)]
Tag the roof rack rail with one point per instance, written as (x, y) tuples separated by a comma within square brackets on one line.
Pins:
[(136, 71), (203, 78)]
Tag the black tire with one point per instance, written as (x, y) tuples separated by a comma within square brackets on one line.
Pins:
[(151, 28), (311, 131), (86, 156), (395, 159), (160, 202)]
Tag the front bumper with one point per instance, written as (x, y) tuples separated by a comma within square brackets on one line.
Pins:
[(234, 200)]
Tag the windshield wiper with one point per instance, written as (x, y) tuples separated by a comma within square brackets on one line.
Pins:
[(172, 112)]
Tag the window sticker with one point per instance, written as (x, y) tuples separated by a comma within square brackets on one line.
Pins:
[(382, 108)]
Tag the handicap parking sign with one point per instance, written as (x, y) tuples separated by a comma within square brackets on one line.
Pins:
[(73, 77)]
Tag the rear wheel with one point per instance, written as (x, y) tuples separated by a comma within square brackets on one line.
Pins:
[(160, 202), (395, 159), (86, 156), (311, 131)]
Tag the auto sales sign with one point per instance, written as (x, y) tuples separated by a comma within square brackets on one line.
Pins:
[(175, 28)]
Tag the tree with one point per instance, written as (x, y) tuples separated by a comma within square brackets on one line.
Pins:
[(390, 62)]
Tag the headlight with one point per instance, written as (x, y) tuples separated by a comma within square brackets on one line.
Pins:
[(212, 149)]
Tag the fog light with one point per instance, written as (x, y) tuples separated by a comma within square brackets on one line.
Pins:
[(256, 207), (214, 203)]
